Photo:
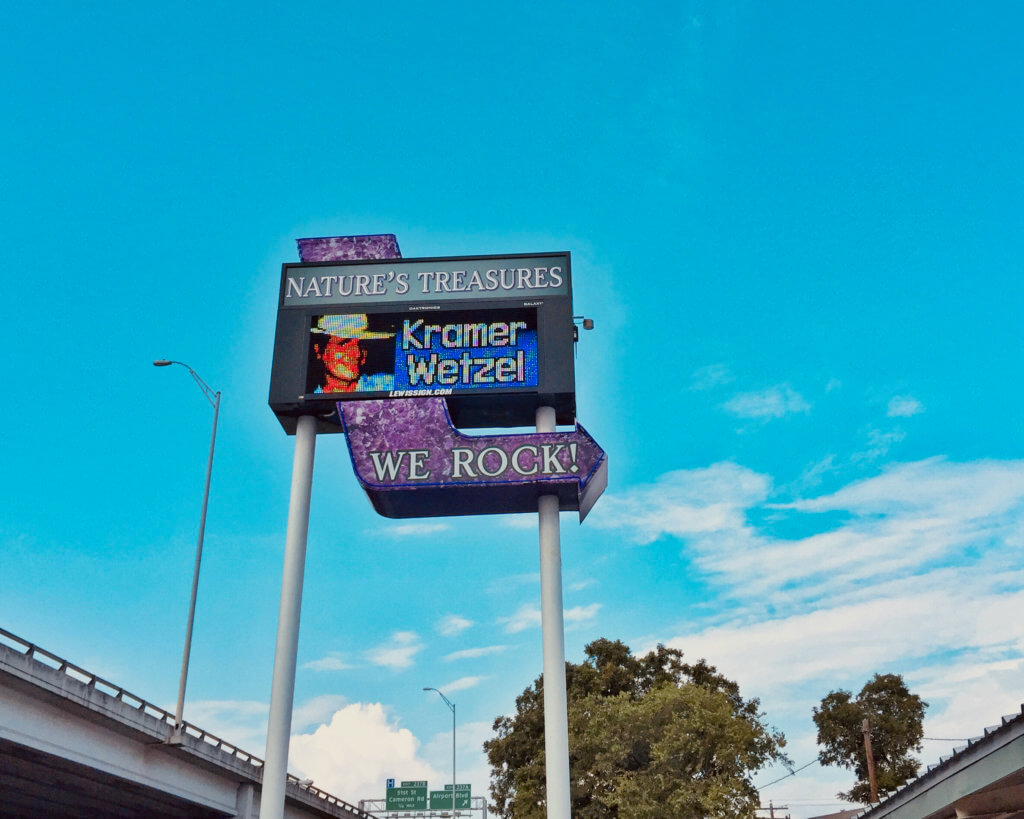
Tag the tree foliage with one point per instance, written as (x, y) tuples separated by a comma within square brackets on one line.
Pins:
[(895, 717), (649, 737)]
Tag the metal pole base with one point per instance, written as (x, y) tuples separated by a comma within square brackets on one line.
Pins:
[(282, 693), (556, 717)]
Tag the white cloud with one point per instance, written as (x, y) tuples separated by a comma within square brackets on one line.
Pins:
[(352, 755), (711, 376), (684, 503), (519, 521), (471, 653), (529, 616), (526, 616), (462, 684), (243, 723), (581, 614), (417, 529), (453, 624), (210, 710), (398, 653), (813, 474), (878, 444), (774, 402), (904, 406), (354, 746), (968, 697), (935, 486), (909, 518), (580, 585), (332, 662), (316, 710), (895, 624)]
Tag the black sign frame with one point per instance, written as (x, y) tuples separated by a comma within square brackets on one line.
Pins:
[(469, 408)]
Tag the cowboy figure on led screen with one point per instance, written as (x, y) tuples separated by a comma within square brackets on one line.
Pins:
[(341, 345)]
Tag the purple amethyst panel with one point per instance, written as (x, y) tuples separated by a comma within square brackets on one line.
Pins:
[(379, 430), (349, 248), (413, 463)]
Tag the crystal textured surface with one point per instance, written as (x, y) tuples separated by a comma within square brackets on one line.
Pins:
[(382, 434), (349, 248)]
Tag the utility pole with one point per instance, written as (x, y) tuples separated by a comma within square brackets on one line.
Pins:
[(772, 807), (866, 728)]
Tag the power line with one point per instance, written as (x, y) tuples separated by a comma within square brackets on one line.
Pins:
[(802, 767), (794, 772)]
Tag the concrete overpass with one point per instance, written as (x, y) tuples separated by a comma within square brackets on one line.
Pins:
[(75, 746)]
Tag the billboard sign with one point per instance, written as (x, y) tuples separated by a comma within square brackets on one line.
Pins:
[(493, 335)]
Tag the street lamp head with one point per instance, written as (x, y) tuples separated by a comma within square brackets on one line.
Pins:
[(208, 391)]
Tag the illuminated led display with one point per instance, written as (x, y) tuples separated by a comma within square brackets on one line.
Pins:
[(436, 353)]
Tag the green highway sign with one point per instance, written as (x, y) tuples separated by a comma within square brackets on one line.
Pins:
[(442, 800), (415, 783), (414, 798)]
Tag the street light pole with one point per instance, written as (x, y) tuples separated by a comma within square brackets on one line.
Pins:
[(451, 705), (214, 399)]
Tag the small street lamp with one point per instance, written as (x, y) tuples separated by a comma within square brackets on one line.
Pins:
[(451, 705), (214, 399)]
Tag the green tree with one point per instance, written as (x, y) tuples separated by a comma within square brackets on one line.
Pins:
[(649, 737), (895, 717)]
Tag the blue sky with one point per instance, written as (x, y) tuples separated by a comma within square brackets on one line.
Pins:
[(797, 227)]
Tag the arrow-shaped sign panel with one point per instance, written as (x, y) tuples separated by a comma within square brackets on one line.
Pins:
[(413, 463)]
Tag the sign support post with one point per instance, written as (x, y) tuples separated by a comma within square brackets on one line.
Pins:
[(556, 718), (279, 725)]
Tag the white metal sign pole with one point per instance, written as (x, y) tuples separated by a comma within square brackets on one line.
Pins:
[(279, 726), (556, 718)]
